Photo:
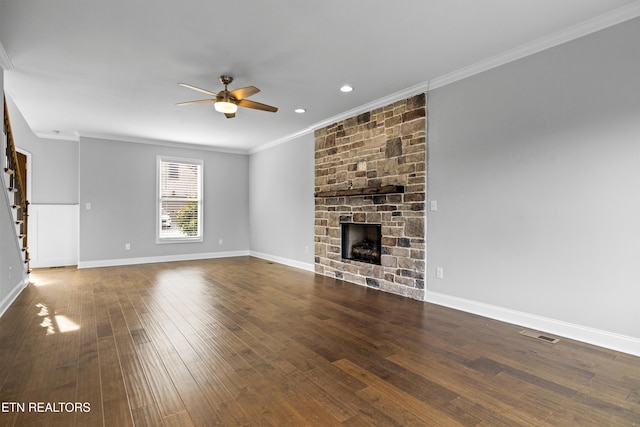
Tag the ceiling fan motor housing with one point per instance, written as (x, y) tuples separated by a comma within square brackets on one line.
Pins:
[(226, 80)]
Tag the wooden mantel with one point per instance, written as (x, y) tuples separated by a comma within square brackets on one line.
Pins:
[(387, 189)]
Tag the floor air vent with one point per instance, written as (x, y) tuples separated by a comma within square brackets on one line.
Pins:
[(539, 336)]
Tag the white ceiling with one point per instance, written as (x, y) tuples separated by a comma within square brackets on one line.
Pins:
[(110, 68)]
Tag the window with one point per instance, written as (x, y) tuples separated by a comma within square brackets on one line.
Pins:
[(179, 209)]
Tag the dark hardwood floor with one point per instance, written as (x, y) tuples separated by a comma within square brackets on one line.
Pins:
[(242, 341)]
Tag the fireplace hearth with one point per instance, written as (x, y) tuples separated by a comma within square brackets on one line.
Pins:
[(361, 242)]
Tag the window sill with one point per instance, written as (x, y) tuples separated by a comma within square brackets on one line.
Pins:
[(166, 241)]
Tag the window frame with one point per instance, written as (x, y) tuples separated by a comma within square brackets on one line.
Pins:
[(200, 199)]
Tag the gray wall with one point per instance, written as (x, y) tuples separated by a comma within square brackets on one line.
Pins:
[(282, 202), (535, 167), (54, 163), (119, 180)]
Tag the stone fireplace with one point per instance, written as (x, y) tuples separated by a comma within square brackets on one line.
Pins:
[(370, 174)]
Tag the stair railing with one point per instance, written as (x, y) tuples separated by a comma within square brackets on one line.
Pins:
[(16, 188)]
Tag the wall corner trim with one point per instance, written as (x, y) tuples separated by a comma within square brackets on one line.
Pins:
[(5, 61), (610, 340)]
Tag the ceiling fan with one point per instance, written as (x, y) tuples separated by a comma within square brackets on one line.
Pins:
[(228, 102)]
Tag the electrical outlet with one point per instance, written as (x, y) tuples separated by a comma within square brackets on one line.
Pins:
[(306, 249), (440, 272), (434, 205), (220, 241), (87, 206), (127, 246)]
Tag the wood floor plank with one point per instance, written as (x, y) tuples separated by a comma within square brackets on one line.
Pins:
[(219, 396), (115, 402), (147, 416), (180, 419), (88, 387), (138, 389), (164, 391), (497, 395), (310, 411), (195, 402), (428, 414)]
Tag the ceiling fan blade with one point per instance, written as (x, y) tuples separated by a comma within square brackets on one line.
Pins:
[(244, 92), (201, 101), (256, 105), (229, 115), (198, 89)]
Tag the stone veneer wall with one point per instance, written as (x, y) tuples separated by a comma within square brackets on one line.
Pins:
[(383, 147)]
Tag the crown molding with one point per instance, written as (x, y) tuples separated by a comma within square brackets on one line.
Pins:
[(72, 136), (601, 22), (378, 103), (163, 143), (75, 137)]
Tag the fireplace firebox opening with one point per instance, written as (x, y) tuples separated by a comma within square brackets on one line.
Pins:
[(362, 242)]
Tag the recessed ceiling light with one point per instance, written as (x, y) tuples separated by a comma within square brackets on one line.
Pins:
[(300, 110), (346, 88)]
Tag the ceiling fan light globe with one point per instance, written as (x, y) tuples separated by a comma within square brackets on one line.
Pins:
[(225, 107)]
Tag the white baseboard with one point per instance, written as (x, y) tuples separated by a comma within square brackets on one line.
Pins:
[(610, 340), (61, 262), (157, 259), (284, 261), (11, 297), (190, 257)]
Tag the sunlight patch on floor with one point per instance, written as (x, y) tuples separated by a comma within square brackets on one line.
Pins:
[(56, 323), (38, 281)]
